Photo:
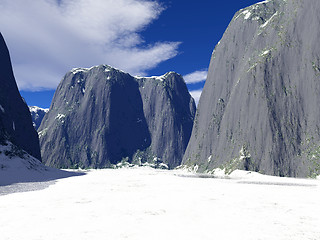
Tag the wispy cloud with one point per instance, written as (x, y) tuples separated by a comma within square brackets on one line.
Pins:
[(196, 95), (47, 38), (195, 77)]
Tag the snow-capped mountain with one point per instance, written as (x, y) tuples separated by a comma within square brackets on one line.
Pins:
[(101, 116), (37, 115), (259, 109)]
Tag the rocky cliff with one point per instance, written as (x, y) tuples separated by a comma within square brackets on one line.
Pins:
[(15, 120), (259, 109), (101, 116)]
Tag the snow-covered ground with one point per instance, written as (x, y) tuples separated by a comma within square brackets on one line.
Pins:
[(21, 172), (144, 203)]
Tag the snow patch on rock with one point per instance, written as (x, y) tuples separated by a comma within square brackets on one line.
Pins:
[(36, 109), (60, 117), (77, 70), (158, 78), (247, 14), (263, 2), (43, 132), (2, 109), (269, 20)]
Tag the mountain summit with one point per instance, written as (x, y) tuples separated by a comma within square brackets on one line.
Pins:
[(259, 109), (100, 116)]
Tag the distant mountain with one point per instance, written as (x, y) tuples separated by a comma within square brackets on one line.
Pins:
[(37, 115), (259, 109), (102, 116), (16, 128)]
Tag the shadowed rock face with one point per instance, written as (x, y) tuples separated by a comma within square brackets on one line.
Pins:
[(259, 109), (15, 120), (100, 116), (169, 111)]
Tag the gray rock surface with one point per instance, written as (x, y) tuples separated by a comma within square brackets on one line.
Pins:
[(37, 115), (102, 116), (259, 109), (15, 120)]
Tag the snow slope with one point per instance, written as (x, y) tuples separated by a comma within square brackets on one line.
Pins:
[(144, 203), (21, 172)]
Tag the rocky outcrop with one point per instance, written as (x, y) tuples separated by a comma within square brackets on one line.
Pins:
[(15, 120), (37, 115), (259, 109), (101, 116)]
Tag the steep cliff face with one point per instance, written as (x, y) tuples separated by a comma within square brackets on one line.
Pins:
[(15, 120), (169, 111), (98, 117), (259, 109)]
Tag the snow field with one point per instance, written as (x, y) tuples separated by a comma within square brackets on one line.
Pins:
[(144, 203)]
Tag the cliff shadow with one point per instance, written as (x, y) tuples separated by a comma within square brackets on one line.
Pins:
[(13, 180), (128, 131)]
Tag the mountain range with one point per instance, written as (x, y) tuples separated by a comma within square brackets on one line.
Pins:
[(258, 110)]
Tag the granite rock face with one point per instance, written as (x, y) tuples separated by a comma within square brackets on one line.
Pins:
[(101, 116), (259, 109), (169, 111), (15, 120), (37, 115)]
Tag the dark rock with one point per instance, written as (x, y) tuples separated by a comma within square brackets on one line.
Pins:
[(15, 119), (102, 116), (259, 109)]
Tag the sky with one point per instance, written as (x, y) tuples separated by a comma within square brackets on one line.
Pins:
[(47, 38)]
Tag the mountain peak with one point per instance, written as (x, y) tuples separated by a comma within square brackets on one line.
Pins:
[(122, 117)]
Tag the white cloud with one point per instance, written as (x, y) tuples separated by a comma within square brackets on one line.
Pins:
[(196, 95), (195, 77), (47, 39)]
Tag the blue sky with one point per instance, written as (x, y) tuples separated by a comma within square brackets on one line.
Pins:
[(47, 38)]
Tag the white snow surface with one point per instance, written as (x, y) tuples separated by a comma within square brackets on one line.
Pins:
[(266, 1), (159, 78), (16, 169), (76, 70), (264, 52), (144, 203), (247, 14), (36, 109), (21, 172), (107, 69)]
